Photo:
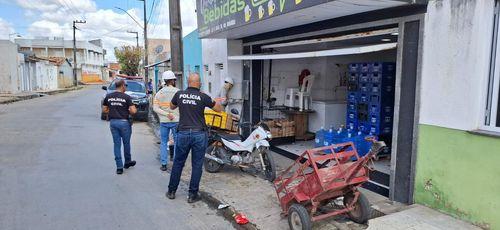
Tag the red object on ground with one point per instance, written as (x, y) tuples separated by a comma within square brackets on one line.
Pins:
[(240, 219)]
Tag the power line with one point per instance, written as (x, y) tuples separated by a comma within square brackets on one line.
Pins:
[(152, 10), (76, 8)]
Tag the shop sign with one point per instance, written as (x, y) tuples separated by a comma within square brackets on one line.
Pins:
[(215, 16)]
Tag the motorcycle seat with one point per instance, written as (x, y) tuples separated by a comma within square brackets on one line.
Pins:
[(230, 137)]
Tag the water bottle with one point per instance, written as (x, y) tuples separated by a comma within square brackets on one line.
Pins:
[(320, 137)]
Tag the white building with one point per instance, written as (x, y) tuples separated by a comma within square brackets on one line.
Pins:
[(89, 56)]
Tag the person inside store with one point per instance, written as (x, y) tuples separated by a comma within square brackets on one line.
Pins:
[(168, 117), (191, 135), (150, 86), (118, 105)]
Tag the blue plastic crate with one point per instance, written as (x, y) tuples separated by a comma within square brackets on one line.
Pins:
[(352, 106), (352, 96), (354, 68), (364, 98), (364, 67), (352, 124), (353, 77), (352, 115), (381, 89), (380, 119), (364, 87), (364, 127), (381, 129), (380, 109), (364, 78), (382, 78), (382, 67)]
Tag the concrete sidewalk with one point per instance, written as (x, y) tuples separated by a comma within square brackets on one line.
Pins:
[(418, 217), (10, 98), (256, 198)]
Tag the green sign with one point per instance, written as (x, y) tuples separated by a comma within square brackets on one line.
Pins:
[(215, 16)]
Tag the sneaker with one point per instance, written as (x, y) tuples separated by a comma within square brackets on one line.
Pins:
[(170, 195), (163, 168), (119, 171), (129, 164), (193, 198)]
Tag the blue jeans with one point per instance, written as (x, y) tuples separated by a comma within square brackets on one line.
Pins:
[(121, 130), (196, 142), (165, 129)]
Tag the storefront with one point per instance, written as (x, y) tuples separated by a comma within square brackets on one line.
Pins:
[(272, 43)]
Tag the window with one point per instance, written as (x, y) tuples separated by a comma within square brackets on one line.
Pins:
[(219, 66), (197, 69), (492, 115)]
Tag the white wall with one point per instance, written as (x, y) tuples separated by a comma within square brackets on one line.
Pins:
[(330, 72), (216, 51), (9, 68), (456, 54)]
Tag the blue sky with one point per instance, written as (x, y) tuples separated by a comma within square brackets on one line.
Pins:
[(53, 18)]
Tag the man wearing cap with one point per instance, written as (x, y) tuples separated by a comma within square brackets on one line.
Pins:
[(191, 135), (168, 117), (119, 107), (222, 96)]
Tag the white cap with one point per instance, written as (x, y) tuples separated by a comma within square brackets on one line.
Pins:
[(168, 75), (229, 80)]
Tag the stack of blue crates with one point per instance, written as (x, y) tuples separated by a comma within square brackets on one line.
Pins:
[(370, 98)]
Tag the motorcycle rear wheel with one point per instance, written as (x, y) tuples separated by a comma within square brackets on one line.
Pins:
[(212, 166)]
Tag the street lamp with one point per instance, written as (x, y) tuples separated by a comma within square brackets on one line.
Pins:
[(139, 24), (136, 37)]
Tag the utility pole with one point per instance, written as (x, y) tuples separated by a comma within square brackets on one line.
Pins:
[(176, 39), (75, 78), (146, 74), (136, 37)]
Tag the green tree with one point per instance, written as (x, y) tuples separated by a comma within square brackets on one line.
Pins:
[(129, 58)]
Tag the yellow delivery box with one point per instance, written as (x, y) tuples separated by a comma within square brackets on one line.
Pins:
[(216, 119)]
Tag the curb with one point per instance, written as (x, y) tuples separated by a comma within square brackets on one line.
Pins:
[(213, 202), (37, 94)]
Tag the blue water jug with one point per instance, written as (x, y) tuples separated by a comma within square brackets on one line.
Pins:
[(320, 137)]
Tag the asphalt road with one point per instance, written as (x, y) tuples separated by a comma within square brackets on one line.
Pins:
[(57, 171)]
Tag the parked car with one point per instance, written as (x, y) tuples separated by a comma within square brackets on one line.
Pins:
[(135, 89)]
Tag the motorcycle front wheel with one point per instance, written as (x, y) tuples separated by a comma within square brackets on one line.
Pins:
[(212, 166), (270, 170)]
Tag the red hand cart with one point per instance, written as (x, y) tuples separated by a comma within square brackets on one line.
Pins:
[(322, 178)]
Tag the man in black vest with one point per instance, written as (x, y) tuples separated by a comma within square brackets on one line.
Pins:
[(119, 107), (191, 135)]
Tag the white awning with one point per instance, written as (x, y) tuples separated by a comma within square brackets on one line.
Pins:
[(321, 53)]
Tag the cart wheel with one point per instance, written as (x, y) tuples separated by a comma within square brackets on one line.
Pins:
[(298, 218), (212, 166), (270, 172), (362, 210)]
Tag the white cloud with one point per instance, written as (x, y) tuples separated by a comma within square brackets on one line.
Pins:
[(5, 29), (54, 18), (76, 6)]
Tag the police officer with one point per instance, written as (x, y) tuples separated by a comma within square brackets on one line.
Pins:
[(168, 117), (119, 107), (191, 135)]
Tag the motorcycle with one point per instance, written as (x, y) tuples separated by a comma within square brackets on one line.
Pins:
[(249, 154)]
